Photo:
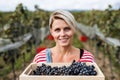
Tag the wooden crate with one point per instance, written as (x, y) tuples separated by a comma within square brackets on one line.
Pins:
[(26, 75)]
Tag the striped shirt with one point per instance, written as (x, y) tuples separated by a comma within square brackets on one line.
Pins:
[(41, 57)]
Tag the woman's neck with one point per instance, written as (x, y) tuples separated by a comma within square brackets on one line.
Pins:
[(63, 50)]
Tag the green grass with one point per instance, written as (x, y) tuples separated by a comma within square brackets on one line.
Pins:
[(5, 70), (19, 64)]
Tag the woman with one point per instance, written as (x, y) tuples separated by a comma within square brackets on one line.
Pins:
[(62, 27)]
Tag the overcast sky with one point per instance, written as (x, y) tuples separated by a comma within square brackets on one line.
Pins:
[(10, 5)]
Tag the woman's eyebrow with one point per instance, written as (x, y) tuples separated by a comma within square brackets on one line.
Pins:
[(68, 27)]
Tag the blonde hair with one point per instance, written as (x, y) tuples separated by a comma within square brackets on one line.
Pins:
[(64, 15)]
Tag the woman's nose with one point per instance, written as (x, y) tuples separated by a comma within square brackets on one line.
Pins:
[(62, 33)]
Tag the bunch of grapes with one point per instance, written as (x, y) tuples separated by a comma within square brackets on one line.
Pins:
[(76, 68)]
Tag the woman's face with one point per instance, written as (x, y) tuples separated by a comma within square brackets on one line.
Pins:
[(61, 32)]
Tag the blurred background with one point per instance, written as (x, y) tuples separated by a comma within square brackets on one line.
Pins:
[(24, 32)]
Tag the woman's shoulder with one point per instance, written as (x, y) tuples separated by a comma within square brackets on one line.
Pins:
[(87, 56), (86, 51), (42, 52), (40, 57)]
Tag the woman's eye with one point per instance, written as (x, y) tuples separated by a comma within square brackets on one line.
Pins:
[(57, 30), (67, 29)]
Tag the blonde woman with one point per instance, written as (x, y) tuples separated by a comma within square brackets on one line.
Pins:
[(62, 27)]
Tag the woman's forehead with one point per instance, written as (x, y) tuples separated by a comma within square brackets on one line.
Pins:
[(58, 22)]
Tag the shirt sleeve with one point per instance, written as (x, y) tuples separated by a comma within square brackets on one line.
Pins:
[(87, 57), (40, 57)]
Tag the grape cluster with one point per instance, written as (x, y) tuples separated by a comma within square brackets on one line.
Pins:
[(76, 68)]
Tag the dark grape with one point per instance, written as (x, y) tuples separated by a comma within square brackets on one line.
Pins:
[(76, 68)]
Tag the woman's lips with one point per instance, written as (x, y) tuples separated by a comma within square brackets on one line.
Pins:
[(63, 40)]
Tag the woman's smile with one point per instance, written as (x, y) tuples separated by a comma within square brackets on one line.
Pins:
[(63, 40)]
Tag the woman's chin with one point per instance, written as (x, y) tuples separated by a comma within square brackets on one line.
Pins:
[(64, 44)]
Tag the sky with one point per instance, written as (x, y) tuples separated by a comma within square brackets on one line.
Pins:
[(10, 5)]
